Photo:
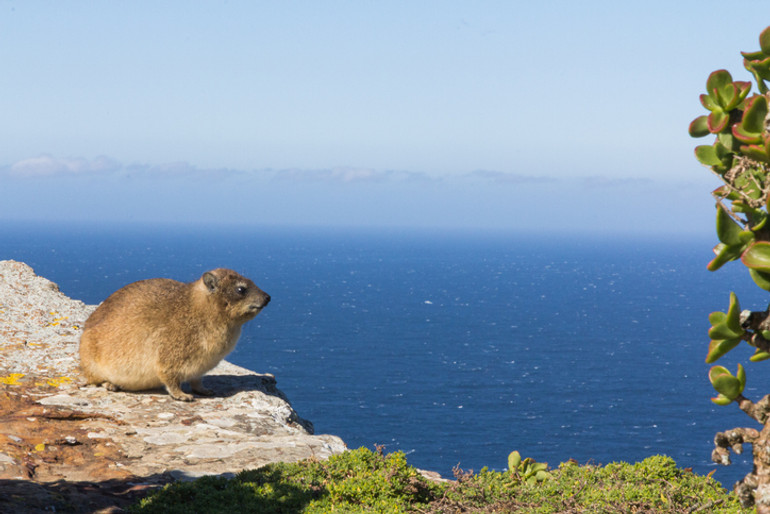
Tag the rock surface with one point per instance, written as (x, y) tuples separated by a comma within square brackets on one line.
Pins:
[(65, 446)]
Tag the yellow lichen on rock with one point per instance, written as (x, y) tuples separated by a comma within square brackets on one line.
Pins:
[(57, 320), (56, 382), (11, 379)]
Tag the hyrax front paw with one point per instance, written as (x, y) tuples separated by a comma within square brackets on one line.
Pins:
[(110, 386), (182, 396), (177, 394)]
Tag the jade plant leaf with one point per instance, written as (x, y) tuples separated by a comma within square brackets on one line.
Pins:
[(733, 318), (728, 96), (722, 331), (728, 141), (764, 40), (726, 331), (728, 230), (717, 80), (514, 459), (757, 256), (725, 383), (754, 56), (718, 120), (759, 355), (746, 138), (724, 254), (717, 317), (754, 116), (744, 87), (718, 348), (756, 152), (708, 102), (707, 155), (699, 127), (760, 278)]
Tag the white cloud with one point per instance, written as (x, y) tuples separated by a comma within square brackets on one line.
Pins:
[(599, 181), (347, 175), (177, 169), (501, 177), (47, 165)]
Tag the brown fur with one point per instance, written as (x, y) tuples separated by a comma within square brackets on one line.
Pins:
[(161, 332)]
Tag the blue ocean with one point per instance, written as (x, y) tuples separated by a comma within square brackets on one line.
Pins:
[(456, 347)]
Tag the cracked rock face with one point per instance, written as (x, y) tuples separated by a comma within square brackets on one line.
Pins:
[(100, 449)]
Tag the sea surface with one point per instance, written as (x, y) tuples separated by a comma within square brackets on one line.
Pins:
[(456, 347)]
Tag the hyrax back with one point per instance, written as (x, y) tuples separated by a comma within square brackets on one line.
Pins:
[(161, 332)]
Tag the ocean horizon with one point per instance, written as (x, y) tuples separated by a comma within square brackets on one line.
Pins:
[(456, 347)]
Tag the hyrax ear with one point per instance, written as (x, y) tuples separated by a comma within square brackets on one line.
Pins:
[(210, 280)]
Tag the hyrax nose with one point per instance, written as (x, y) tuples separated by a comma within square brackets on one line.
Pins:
[(265, 300)]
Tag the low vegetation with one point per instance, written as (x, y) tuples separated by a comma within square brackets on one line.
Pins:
[(370, 481)]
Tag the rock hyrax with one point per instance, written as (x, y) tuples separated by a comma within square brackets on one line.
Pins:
[(161, 332)]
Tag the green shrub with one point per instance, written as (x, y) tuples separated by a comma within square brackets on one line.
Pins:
[(365, 481)]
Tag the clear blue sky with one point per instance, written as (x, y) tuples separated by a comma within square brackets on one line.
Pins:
[(553, 115)]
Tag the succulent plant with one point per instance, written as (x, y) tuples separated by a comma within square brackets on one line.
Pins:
[(758, 63), (528, 470), (729, 387), (740, 156), (726, 331)]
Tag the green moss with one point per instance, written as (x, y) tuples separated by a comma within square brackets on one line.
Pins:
[(365, 481)]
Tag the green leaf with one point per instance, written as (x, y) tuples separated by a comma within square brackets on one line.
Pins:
[(744, 87), (718, 348), (761, 279), (728, 386), (728, 142), (733, 320), (708, 102), (514, 459), (722, 331), (707, 155), (717, 317), (764, 40), (746, 138), (757, 256), (724, 254), (727, 229), (747, 236), (761, 68), (717, 371), (759, 356), (761, 223), (717, 80), (754, 116), (728, 96), (725, 383), (699, 127), (754, 56), (755, 152), (717, 121), (722, 400)]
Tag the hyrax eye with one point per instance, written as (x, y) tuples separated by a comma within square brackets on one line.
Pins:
[(240, 290)]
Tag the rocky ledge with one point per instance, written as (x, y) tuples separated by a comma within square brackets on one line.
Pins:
[(65, 446)]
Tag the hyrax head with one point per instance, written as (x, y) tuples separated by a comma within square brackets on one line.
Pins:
[(240, 298)]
